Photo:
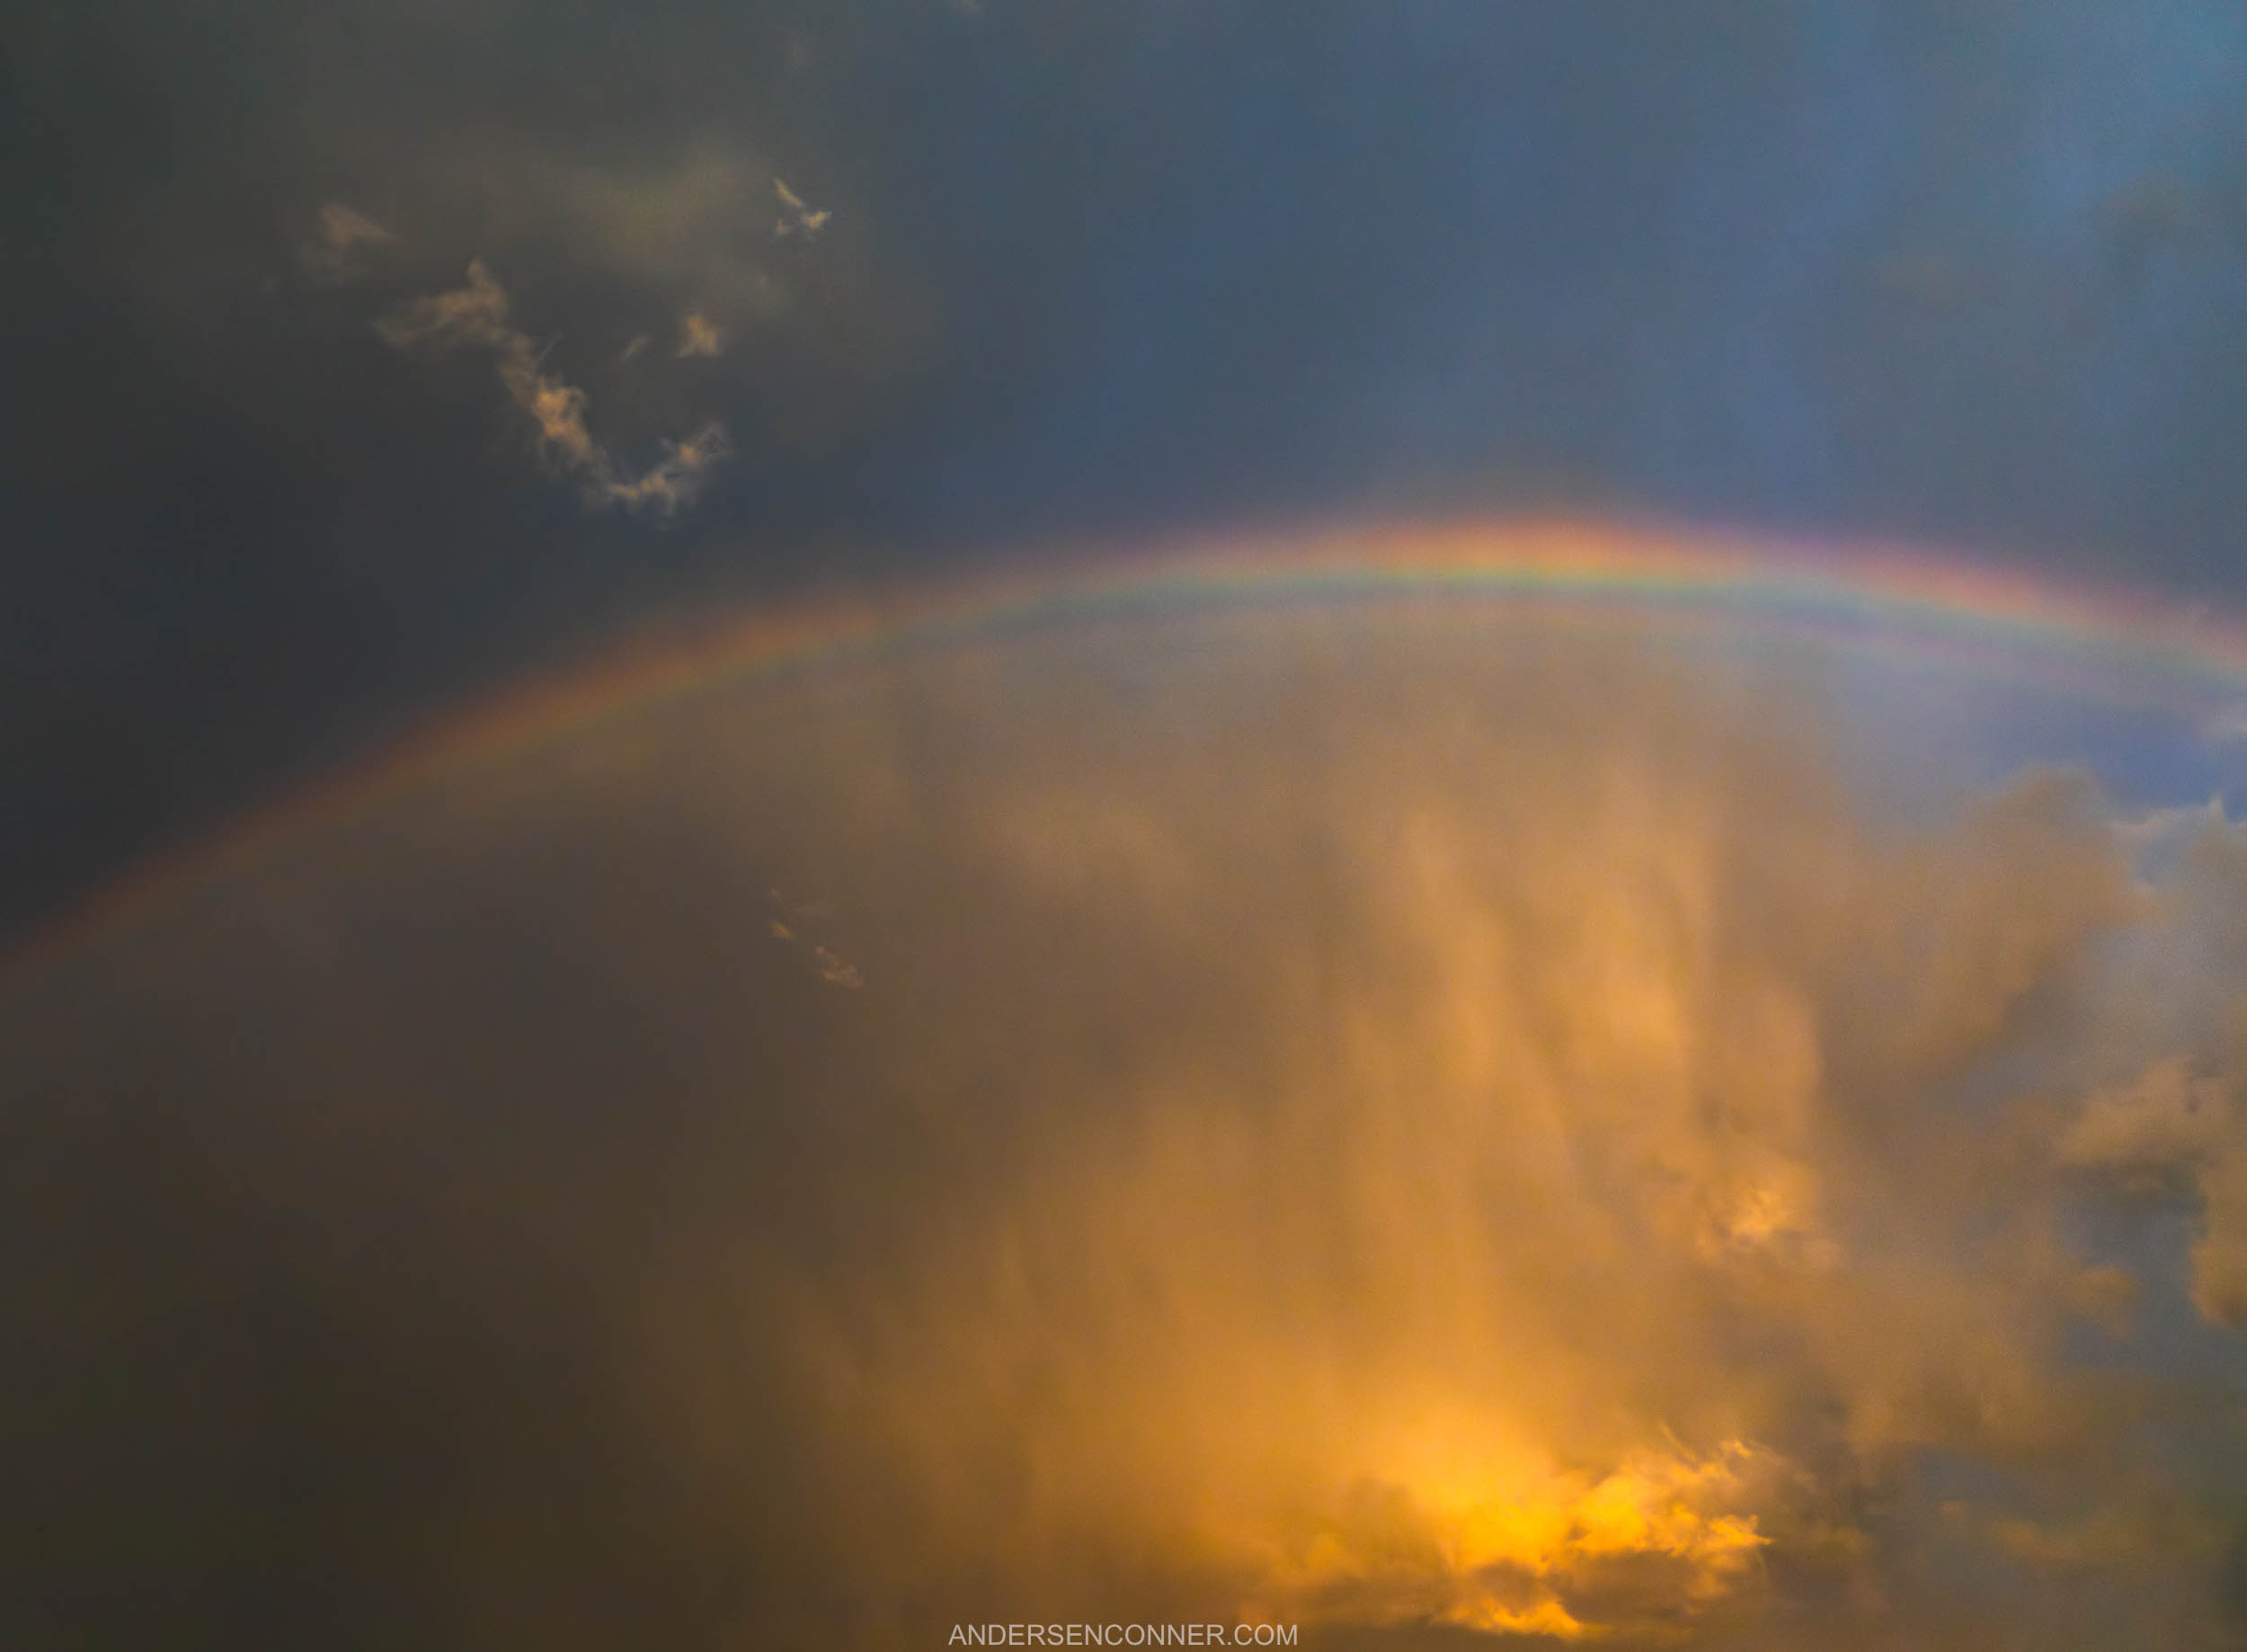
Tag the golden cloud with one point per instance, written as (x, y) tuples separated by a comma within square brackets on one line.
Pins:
[(1398, 1126)]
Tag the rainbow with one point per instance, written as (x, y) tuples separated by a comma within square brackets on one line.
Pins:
[(2110, 644)]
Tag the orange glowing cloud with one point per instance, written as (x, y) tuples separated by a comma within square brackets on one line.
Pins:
[(1403, 1127)]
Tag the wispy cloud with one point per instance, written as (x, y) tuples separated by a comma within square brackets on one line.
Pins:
[(797, 218), (477, 316), (344, 244)]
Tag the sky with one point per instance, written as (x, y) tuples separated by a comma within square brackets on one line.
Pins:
[(1448, 1119), (942, 281)]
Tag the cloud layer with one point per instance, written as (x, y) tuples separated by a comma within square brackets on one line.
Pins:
[(1409, 1129)]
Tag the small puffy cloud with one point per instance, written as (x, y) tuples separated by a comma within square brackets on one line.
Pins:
[(476, 316), (698, 335), (344, 244), (797, 218)]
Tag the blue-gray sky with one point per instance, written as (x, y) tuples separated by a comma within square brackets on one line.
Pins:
[(1970, 275)]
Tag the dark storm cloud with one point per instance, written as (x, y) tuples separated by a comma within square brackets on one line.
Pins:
[(1348, 1123)]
